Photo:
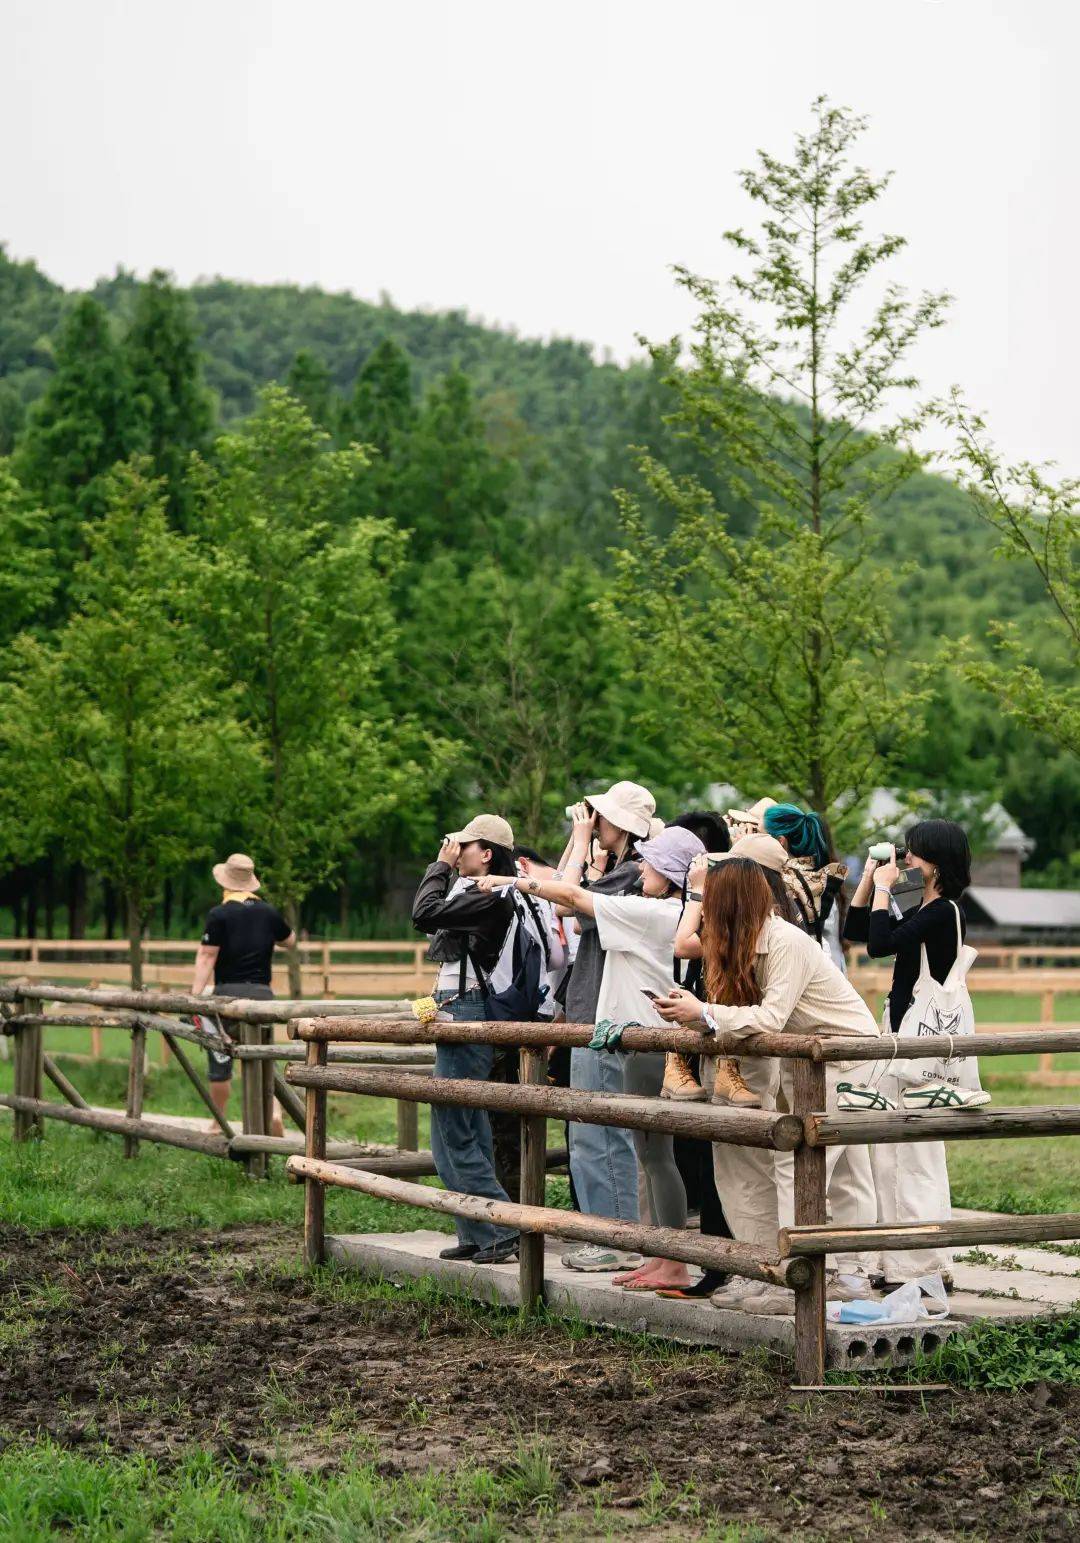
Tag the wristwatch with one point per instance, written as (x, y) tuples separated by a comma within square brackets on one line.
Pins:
[(695, 894)]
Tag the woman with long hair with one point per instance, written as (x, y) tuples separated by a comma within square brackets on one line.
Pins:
[(763, 973)]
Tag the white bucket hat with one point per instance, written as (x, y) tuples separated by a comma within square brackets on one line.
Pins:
[(627, 805), (237, 873)]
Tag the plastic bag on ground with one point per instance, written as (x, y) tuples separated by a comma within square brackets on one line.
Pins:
[(904, 1305)]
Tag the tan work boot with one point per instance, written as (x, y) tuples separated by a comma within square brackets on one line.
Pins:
[(731, 1089), (680, 1082)]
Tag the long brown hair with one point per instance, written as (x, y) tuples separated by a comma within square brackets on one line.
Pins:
[(736, 904)]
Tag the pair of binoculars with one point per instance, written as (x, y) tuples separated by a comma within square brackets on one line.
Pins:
[(881, 851)]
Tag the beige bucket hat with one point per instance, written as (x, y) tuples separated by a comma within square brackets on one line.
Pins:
[(486, 827), (746, 822), (764, 850), (237, 873), (627, 805)]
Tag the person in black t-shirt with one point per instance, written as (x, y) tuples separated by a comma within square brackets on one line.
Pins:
[(237, 950)]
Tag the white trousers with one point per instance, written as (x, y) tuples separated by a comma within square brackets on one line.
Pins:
[(850, 1197), (745, 1176), (911, 1181)]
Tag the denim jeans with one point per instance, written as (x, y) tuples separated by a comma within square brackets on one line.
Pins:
[(461, 1137), (602, 1157)]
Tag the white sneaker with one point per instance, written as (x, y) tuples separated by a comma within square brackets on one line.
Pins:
[(857, 1095), (594, 1257), (942, 1095)]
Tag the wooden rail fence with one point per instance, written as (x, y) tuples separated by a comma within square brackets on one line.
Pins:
[(370, 1047), (798, 1260)]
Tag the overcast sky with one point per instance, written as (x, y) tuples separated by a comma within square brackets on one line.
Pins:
[(542, 165)]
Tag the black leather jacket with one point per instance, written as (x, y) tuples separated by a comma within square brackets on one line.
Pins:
[(470, 918)]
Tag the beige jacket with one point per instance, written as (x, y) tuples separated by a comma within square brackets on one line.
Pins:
[(802, 991)]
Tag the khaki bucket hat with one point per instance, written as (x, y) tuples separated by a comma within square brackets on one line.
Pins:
[(764, 850), (486, 827), (627, 805), (237, 873)]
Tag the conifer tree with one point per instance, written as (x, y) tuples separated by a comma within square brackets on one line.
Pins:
[(85, 422), (308, 381), (174, 408)]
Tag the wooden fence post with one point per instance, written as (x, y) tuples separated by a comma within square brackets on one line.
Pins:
[(136, 1084), (809, 1096), (253, 1099), (532, 1069), (408, 1127), (315, 1146), (1046, 1021), (29, 1058)]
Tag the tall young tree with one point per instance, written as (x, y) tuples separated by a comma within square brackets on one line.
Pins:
[(27, 562), (118, 733), (303, 613), (175, 409), (770, 636), (85, 422)]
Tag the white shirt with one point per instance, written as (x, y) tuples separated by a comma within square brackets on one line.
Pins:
[(637, 935)]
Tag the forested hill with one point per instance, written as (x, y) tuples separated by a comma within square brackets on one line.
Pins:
[(561, 423)]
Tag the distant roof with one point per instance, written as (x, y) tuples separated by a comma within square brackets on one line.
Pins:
[(887, 809), (1044, 908)]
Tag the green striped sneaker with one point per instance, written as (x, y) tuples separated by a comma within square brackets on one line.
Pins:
[(856, 1095), (942, 1095)]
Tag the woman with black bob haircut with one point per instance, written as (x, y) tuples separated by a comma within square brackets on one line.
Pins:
[(912, 1179)]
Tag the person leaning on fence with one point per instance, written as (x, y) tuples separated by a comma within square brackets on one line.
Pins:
[(635, 933), (765, 974), (237, 952), (476, 939), (912, 1178)]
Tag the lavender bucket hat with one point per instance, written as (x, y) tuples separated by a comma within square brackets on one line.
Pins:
[(671, 853)]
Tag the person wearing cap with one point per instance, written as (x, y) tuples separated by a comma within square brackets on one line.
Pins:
[(763, 973), (469, 927), (236, 954), (636, 933), (603, 1159)]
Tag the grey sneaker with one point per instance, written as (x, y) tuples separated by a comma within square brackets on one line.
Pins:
[(848, 1288), (737, 1292), (775, 1301), (594, 1257)]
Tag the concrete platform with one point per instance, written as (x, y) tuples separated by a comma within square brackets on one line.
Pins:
[(411, 1255)]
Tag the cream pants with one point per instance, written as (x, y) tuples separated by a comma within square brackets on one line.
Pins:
[(850, 1199)]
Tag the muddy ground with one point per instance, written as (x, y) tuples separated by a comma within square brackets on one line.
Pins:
[(160, 1341)]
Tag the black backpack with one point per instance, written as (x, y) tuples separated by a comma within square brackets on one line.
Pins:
[(520, 1001)]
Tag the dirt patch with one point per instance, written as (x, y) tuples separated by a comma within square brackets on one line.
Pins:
[(157, 1342)]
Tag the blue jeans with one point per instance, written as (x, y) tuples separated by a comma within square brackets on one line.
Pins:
[(602, 1157), (461, 1137)]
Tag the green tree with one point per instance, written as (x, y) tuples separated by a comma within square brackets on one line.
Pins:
[(174, 408), (1037, 521), (27, 568), (771, 638), (506, 665), (308, 381), (303, 611), (118, 733), (85, 422), (382, 407), (451, 490)]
